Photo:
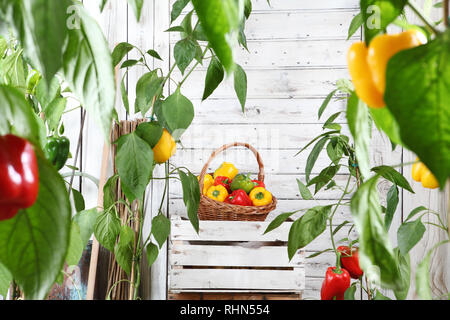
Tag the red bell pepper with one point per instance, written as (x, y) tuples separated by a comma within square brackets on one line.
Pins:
[(223, 181), (259, 183), (239, 197), (19, 175), (335, 284), (350, 261)]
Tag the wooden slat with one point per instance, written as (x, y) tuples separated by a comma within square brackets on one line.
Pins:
[(232, 256), (224, 279)]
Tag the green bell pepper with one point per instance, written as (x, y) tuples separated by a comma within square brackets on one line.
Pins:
[(242, 181), (57, 150)]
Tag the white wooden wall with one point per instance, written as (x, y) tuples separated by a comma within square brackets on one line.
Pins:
[(297, 52)]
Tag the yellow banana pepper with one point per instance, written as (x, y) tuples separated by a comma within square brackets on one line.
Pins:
[(260, 196), (208, 181), (165, 148), (421, 173), (226, 169), (367, 65), (218, 193)]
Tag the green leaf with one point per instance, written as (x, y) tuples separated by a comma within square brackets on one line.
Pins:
[(15, 111), (394, 176), (43, 33), (86, 221), (134, 162), (123, 92), (177, 113), (120, 51), (175, 29), (13, 71), (102, 5), (312, 158), (152, 253), (46, 93), (240, 85), (416, 211), (392, 202), (147, 87), (177, 8), (378, 14), (160, 229), (54, 111), (304, 191), (405, 274), (75, 249), (316, 138), (335, 150), (307, 228), (350, 292), (220, 21), (129, 63), (422, 107), (376, 256), (385, 122), (356, 23), (315, 254), (107, 229), (5, 280), (339, 227), (380, 296), (423, 286), (110, 192), (33, 244), (154, 54), (136, 5), (191, 196), (124, 249), (78, 200), (326, 102), (187, 25), (275, 223), (358, 118), (88, 70), (324, 177), (409, 234), (184, 52), (345, 86), (150, 132), (214, 77)]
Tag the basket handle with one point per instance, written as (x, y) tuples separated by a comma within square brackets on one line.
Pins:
[(223, 148)]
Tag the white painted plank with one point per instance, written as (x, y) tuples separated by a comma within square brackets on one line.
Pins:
[(270, 83), (288, 280), (232, 256)]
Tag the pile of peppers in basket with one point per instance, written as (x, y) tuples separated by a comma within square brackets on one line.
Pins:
[(337, 279), (229, 186)]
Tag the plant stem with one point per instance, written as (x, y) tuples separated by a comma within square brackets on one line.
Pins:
[(446, 13), (422, 16)]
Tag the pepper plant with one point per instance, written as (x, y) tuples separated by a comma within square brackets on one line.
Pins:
[(413, 105), (39, 68)]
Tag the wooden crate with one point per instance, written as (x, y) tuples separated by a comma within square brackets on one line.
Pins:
[(233, 260)]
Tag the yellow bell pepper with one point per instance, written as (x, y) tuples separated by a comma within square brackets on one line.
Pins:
[(218, 193), (367, 65), (260, 196), (226, 169), (208, 181), (421, 173), (165, 148)]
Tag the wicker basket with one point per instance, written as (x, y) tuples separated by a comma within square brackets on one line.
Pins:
[(210, 209)]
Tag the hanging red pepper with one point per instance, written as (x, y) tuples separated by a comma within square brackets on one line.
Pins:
[(223, 181), (350, 261), (336, 282), (259, 184), (19, 175), (239, 197)]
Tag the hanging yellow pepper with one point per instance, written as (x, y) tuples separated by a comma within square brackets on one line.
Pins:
[(367, 65), (421, 173), (226, 169), (260, 196), (208, 181), (218, 193), (165, 148)]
